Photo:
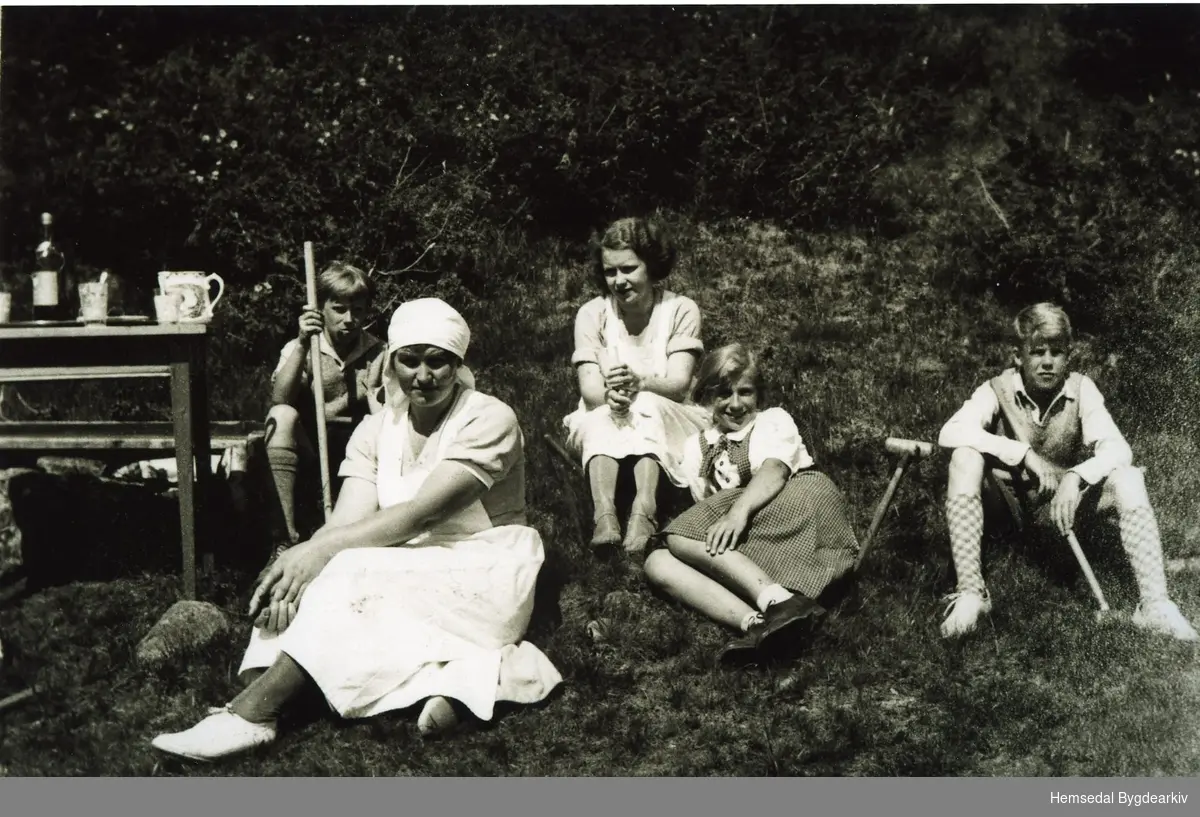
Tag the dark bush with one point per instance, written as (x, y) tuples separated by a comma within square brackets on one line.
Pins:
[(1037, 151)]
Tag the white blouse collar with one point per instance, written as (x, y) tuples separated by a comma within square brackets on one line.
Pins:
[(711, 435)]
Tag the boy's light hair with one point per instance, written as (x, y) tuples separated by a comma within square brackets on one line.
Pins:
[(344, 282), (724, 367), (1044, 320)]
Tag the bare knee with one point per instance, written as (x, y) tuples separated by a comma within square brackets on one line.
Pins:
[(647, 466), (966, 471), (689, 551), (659, 566), (1128, 487), (281, 425)]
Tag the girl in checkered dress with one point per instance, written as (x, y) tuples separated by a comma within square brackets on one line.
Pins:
[(766, 530)]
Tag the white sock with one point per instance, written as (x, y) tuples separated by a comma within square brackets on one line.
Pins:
[(774, 594), (750, 620)]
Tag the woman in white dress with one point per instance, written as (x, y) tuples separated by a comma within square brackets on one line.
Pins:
[(636, 347), (420, 586)]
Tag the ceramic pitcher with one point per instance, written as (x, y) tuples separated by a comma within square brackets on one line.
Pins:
[(195, 293)]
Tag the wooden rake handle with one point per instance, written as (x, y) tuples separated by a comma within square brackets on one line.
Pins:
[(560, 450), (881, 508), (1087, 571), (310, 275), (16, 699)]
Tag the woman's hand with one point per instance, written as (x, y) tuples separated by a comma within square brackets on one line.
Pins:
[(311, 323), (618, 402), (623, 379), (286, 579), (726, 532), (276, 617)]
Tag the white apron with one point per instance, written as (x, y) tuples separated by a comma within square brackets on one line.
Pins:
[(655, 425), (384, 628)]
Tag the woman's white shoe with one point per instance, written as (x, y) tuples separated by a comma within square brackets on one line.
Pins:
[(221, 734), (437, 717)]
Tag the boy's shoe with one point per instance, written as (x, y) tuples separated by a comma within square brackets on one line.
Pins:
[(1164, 617), (963, 611), (221, 734)]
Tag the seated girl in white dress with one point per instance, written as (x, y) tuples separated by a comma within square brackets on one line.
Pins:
[(420, 586), (636, 347), (766, 530)]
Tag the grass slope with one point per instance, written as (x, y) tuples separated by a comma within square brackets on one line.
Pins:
[(863, 347)]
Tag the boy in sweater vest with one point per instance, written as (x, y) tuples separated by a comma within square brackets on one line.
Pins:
[(1054, 450)]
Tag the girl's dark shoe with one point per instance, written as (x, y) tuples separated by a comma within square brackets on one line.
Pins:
[(781, 622), (784, 619), (743, 649)]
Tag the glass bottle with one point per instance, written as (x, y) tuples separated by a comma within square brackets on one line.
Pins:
[(48, 300)]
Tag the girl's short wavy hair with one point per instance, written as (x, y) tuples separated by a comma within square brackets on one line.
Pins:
[(345, 282), (724, 367), (647, 237)]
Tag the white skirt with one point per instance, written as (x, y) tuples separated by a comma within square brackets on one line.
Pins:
[(654, 427), (384, 628)]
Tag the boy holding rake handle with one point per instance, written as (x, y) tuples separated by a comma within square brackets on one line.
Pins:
[(351, 374), (1053, 448)]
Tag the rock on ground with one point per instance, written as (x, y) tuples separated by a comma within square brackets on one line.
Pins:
[(187, 627)]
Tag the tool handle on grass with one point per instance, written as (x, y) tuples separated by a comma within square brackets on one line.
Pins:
[(16, 698), (1087, 571), (882, 507), (558, 448)]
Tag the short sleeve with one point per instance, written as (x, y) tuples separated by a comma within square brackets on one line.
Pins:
[(589, 340), (489, 443), (776, 437), (362, 452), (685, 327), (288, 349)]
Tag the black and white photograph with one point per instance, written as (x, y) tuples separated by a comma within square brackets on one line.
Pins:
[(602, 391)]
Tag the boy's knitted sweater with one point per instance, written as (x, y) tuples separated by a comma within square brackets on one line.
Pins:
[(1076, 431)]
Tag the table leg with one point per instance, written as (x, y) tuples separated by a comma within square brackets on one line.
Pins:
[(202, 444), (181, 410)]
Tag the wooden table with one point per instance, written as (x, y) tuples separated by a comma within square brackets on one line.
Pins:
[(32, 351)]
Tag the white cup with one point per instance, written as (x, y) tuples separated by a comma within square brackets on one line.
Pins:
[(166, 307), (5, 307), (93, 301)]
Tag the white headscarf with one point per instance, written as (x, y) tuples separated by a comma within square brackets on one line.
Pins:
[(425, 322)]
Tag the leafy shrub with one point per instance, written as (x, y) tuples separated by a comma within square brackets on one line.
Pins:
[(1038, 152)]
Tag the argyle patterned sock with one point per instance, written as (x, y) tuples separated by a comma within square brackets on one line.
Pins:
[(964, 517), (1139, 537)]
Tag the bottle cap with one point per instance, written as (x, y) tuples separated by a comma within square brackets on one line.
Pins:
[(46, 218)]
